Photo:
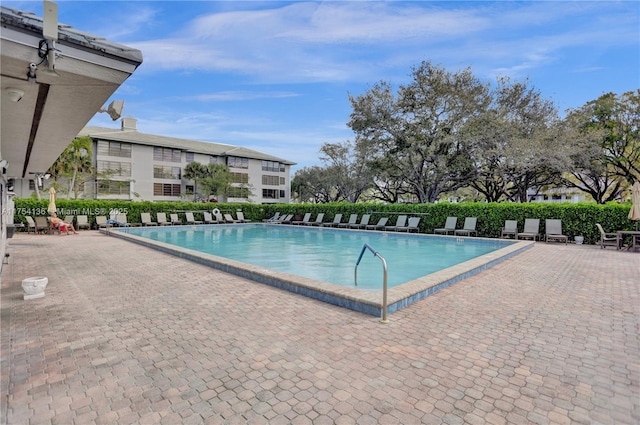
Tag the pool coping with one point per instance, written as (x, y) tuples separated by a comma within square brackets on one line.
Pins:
[(368, 302)]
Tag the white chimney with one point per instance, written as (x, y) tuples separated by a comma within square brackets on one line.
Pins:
[(129, 123)]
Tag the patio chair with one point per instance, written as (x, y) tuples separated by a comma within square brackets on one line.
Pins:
[(83, 222), (191, 219), (31, 225), (411, 226), (553, 231), (283, 219), (241, 219), (42, 224), (317, 222), (119, 221), (162, 219), (449, 226), (228, 218), (218, 217), (174, 219), (353, 219), (531, 229), (401, 223), (145, 218), (379, 225), (304, 220), (363, 222), (510, 228), (101, 221), (610, 239), (275, 217), (336, 221), (69, 219), (208, 218), (52, 228), (469, 228)]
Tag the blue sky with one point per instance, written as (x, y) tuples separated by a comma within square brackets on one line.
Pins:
[(275, 76)]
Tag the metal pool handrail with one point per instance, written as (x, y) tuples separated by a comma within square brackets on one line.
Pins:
[(384, 281)]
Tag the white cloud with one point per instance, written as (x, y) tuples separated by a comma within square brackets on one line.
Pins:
[(336, 41), (226, 96)]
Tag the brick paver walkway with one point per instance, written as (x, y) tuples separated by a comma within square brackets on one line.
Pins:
[(128, 335)]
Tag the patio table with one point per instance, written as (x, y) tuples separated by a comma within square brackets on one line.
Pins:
[(635, 239)]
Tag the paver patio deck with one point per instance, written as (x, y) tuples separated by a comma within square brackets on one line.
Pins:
[(127, 335)]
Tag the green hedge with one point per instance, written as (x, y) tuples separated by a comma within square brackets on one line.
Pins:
[(577, 219)]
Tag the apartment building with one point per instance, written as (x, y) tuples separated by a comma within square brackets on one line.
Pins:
[(137, 166)]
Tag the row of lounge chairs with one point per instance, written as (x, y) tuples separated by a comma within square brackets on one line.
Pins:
[(208, 217), (469, 228), (531, 230), (403, 223), (40, 224)]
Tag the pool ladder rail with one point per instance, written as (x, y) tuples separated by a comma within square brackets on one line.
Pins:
[(384, 280)]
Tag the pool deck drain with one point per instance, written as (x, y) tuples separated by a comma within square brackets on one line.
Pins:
[(368, 302)]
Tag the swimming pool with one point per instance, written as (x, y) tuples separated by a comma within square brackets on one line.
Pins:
[(320, 262)]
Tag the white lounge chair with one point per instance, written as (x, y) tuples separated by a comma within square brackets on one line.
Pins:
[(241, 218), (174, 218), (208, 218), (228, 218), (191, 219), (83, 222), (162, 219), (145, 218)]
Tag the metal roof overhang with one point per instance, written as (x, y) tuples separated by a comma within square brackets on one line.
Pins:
[(88, 70)]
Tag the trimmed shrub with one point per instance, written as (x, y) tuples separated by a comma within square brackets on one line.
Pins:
[(577, 219)]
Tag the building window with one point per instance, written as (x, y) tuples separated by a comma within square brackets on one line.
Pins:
[(282, 181), (122, 150), (166, 189), (270, 180), (190, 157), (32, 185), (113, 187), (272, 166), (238, 192), (189, 189), (270, 193), (114, 168), (166, 154), (165, 172), (282, 195), (237, 162), (239, 178)]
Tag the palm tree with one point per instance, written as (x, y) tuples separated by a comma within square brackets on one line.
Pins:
[(195, 171), (74, 159), (80, 153)]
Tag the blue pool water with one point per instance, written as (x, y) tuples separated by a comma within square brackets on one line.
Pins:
[(324, 254)]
